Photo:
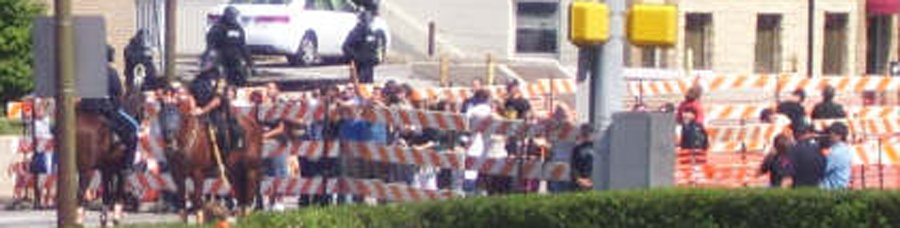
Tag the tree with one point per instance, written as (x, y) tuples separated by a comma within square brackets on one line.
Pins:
[(15, 47)]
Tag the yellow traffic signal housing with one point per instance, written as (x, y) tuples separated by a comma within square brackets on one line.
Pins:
[(588, 23), (653, 25)]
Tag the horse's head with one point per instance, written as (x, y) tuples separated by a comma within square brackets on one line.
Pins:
[(177, 106)]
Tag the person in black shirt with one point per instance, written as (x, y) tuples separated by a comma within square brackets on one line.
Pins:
[(361, 46), (583, 159), (139, 68), (828, 109), (208, 90), (793, 109), (516, 106), (229, 39), (122, 124), (807, 158)]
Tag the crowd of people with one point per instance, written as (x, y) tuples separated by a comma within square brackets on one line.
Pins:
[(347, 124), (802, 156), (806, 156)]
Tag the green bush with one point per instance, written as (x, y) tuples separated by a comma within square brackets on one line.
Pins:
[(650, 208), (10, 127), (15, 47)]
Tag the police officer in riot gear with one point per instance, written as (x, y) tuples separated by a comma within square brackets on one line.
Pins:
[(228, 38), (361, 46), (124, 126), (208, 90), (139, 68)]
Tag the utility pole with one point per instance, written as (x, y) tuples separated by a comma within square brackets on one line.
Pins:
[(607, 82), (65, 115), (810, 37), (171, 6)]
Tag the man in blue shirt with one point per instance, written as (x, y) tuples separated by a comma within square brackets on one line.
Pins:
[(840, 160)]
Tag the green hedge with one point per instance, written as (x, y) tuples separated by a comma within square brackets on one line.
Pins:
[(652, 208), (10, 127)]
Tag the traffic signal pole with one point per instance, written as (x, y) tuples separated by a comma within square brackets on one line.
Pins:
[(607, 86), (65, 115), (171, 6)]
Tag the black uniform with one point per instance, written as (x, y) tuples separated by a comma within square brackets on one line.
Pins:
[(205, 89), (828, 110), (361, 46), (228, 38), (138, 53), (110, 107), (808, 163), (794, 111)]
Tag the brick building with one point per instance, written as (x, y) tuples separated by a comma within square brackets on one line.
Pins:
[(763, 36), (725, 36), (119, 16), (852, 37)]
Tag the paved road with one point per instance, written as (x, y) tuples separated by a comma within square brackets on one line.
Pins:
[(47, 218)]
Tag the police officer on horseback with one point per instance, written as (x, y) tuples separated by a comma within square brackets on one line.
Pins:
[(208, 90), (228, 38), (124, 126)]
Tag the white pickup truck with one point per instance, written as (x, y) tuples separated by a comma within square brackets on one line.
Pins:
[(302, 30)]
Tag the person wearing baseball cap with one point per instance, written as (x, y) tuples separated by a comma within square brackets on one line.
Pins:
[(840, 160)]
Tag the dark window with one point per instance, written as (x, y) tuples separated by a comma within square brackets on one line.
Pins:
[(835, 56), (343, 5), (537, 25), (654, 57), (318, 5), (768, 43), (878, 43), (698, 39), (260, 1)]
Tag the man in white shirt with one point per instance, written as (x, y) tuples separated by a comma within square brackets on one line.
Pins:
[(480, 143)]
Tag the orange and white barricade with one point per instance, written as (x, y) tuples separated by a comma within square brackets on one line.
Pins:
[(391, 192)]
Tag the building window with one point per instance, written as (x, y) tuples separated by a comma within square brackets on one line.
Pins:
[(698, 39), (654, 57), (768, 43), (537, 25), (835, 53), (878, 43)]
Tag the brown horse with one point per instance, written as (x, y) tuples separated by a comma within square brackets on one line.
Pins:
[(97, 151), (193, 158)]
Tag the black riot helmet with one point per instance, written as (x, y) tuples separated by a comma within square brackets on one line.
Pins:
[(367, 5), (139, 38), (230, 15), (366, 18)]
